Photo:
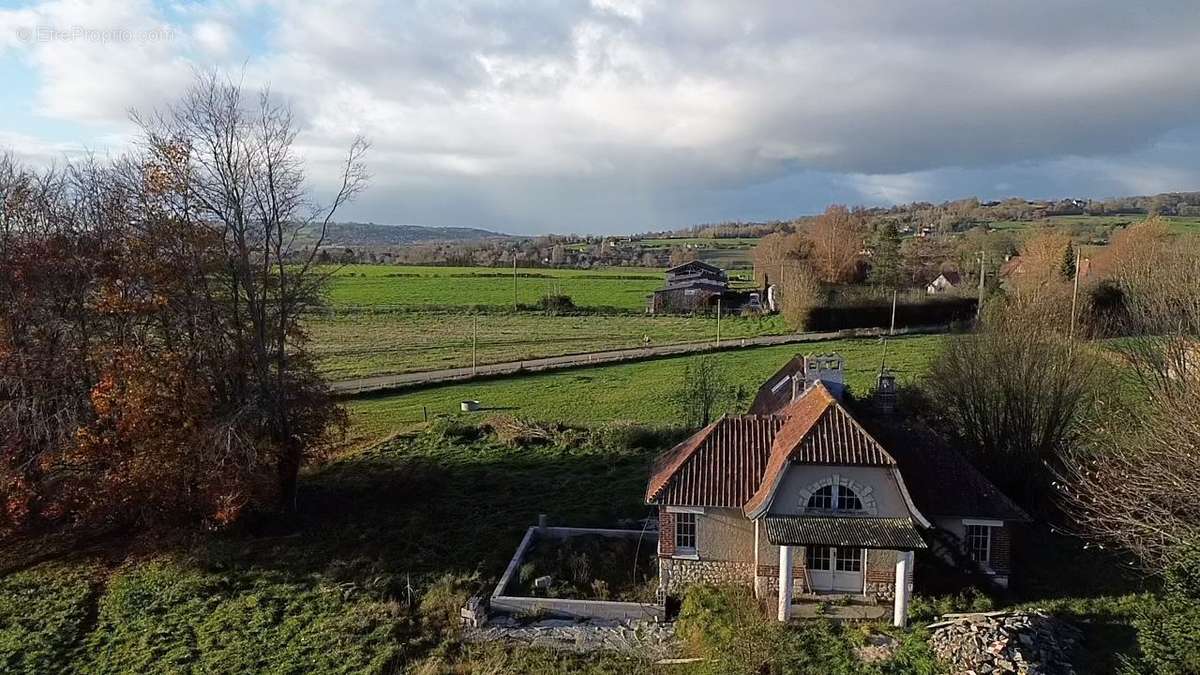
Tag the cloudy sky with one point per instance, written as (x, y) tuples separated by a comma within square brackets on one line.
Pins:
[(627, 115)]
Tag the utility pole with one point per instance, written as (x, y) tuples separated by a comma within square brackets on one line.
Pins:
[(892, 330), (514, 281), (982, 275), (1074, 297), (474, 345), (718, 321)]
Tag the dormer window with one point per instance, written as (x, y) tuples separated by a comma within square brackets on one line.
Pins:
[(834, 498)]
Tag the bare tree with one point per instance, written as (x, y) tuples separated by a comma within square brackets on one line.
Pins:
[(1016, 393), (704, 391), (1138, 485), (800, 293), (837, 238), (228, 168)]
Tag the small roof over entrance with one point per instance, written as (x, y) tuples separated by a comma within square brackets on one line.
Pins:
[(887, 533)]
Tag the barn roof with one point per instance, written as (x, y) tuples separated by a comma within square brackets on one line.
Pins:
[(696, 263)]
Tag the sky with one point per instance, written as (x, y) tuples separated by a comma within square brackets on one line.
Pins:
[(614, 116)]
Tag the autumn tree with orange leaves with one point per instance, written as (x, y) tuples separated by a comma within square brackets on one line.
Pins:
[(153, 365)]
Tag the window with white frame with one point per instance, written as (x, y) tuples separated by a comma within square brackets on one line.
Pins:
[(979, 543), (835, 498), (818, 558), (849, 559), (685, 533)]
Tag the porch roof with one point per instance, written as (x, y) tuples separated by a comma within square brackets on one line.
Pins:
[(887, 533)]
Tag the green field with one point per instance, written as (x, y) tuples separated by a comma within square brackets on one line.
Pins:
[(1178, 223), (638, 392), (390, 287), (360, 344), (387, 319)]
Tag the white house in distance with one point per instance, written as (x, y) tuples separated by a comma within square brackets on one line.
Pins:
[(946, 281), (799, 501)]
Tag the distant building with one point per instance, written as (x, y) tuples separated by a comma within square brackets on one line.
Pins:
[(691, 287), (946, 281), (697, 286)]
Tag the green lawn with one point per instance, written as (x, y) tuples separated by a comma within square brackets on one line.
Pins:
[(390, 287), (639, 392), (385, 319), (365, 578), (360, 344)]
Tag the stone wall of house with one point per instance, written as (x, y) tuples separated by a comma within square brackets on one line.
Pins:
[(766, 580), (675, 574)]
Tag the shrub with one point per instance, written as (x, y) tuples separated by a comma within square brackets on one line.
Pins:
[(1168, 632), (553, 304), (626, 436), (725, 626)]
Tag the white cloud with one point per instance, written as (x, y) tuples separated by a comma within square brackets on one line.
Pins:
[(213, 37), (654, 103)]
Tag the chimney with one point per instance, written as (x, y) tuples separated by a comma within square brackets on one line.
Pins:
[(828, 369), (885, 392)]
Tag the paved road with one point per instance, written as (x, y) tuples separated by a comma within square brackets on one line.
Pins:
[(381, 383)]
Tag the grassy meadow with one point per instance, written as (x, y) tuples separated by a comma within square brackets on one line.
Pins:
[(634, 392), (402, 287), (362, 344), (387, 319)]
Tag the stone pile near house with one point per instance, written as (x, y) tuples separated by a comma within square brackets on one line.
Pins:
[(1032, 643), (644, 638)]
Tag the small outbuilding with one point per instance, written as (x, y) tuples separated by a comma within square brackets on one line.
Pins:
[(945, 282)]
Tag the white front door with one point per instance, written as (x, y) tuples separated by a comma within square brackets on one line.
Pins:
[(836, 570)]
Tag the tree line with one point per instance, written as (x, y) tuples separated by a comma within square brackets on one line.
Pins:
[(153, 365)]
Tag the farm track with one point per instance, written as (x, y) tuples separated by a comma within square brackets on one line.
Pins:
[(384, 383)]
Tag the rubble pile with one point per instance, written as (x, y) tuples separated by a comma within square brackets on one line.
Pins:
[(640, 637), (1032, 643)]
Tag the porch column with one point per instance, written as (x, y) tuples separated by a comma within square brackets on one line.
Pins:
[(904, 561), (785, 582)]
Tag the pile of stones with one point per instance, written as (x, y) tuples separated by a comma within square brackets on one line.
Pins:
[(644, 638), (1005, 642)]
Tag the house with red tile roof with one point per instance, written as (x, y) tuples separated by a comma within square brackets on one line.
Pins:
[(799, 500)]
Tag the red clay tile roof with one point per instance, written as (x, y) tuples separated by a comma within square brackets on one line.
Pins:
[(837, 438), (818, 431), (729, 462), (719, 466)]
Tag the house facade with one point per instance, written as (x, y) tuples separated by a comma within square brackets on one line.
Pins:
[(799, 501), (944, 283), (692, 286)]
